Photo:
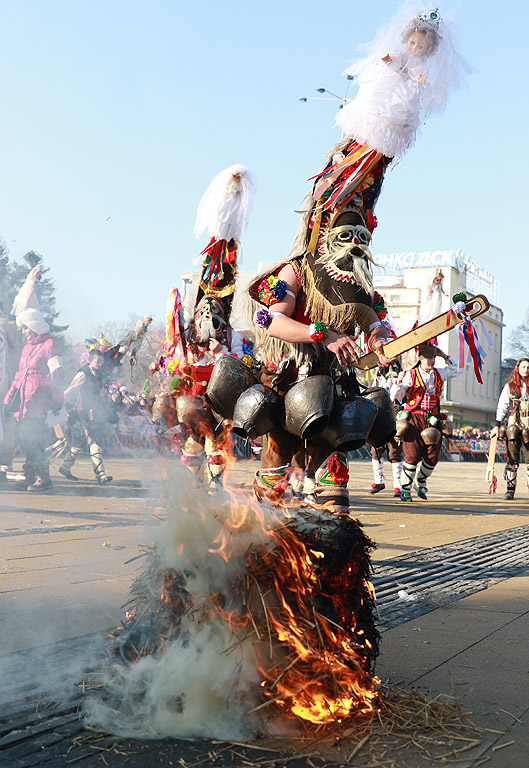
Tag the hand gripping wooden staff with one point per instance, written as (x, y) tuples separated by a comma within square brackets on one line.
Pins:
[(425, 332)]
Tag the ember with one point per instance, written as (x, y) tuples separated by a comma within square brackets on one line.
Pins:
[(245, 618)]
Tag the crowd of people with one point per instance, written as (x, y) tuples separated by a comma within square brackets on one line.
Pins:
[(44, 416), (310, 317)]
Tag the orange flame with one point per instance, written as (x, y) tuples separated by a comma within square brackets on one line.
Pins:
[(319, 673)]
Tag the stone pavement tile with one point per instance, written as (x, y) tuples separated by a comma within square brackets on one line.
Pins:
[(49, 614), (475, 651), (511, 595), (505, 753)]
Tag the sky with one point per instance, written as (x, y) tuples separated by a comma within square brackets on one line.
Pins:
[(116, 116)]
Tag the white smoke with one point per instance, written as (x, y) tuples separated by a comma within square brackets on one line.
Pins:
[(206, 681)]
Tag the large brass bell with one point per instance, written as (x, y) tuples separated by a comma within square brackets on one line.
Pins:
[(384, 426), (229, 379), (257, 411), (308, 406), (190, 410), (431, 435), (350, 423)]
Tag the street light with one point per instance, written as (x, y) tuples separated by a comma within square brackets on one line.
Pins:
[(333, 96)]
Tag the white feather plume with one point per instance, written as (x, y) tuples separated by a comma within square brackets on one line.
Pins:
[(225, 207)]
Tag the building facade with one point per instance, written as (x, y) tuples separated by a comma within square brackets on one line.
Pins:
[(404, 278)]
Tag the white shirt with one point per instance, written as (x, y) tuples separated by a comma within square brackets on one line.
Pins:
[(503, 403), (398, 392)]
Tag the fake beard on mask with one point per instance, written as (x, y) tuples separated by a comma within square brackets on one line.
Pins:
[(343, 256), (209, 320), (337, 277)]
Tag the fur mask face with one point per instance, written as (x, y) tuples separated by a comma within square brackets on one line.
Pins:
[(209, 319), (342, 262)]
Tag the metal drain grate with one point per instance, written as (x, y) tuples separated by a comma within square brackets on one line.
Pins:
[(438, 576)]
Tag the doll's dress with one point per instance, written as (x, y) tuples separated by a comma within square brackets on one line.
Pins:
[(431, 305), (386, 112)]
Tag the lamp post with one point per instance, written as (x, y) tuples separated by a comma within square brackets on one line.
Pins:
[(333, 96)]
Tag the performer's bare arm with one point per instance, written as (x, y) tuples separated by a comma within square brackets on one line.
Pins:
[(283, 326)]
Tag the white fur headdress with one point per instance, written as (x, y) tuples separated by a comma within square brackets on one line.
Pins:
[(226, 205)]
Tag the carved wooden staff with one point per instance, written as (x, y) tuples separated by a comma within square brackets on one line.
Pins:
[(425, 332)]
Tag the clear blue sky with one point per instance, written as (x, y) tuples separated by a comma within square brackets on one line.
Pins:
[(128, 109)]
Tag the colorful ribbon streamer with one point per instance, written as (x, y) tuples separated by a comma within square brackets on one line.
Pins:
[(467, 335)]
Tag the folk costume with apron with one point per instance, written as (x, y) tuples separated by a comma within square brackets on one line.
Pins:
[(421, 450), (514, 405)]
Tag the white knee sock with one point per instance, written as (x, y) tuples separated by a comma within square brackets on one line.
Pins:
[(396, 468), (378, 471)]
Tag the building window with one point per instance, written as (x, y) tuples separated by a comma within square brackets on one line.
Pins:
[(488, 384), (495, 391), (495, 342)]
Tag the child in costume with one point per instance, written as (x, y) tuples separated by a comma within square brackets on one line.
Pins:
[(422, 441)]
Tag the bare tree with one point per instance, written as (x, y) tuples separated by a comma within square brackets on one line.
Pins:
[(518, 341)]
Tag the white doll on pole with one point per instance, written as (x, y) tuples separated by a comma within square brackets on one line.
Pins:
[(408, 73)]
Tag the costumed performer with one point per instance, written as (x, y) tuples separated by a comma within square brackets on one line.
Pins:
[(385, 377), (10, 349), (513, 405), (422, 441), (307, 312), (207, 335), (87, 417), (432, 303), (36, 389)]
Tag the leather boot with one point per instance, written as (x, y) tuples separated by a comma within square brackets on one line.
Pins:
[(42, 479)]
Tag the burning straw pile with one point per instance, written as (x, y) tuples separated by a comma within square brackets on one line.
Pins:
[(245, 620)]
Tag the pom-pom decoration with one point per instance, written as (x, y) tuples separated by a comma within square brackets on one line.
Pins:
[(271, 290), (317, 331), (247, 347), (263, 318), (338, 472), (379, 305)]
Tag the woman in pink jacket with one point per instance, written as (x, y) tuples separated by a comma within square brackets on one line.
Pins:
[(36, 389)]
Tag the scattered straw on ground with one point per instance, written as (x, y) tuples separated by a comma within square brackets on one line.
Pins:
[(407, 730)]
